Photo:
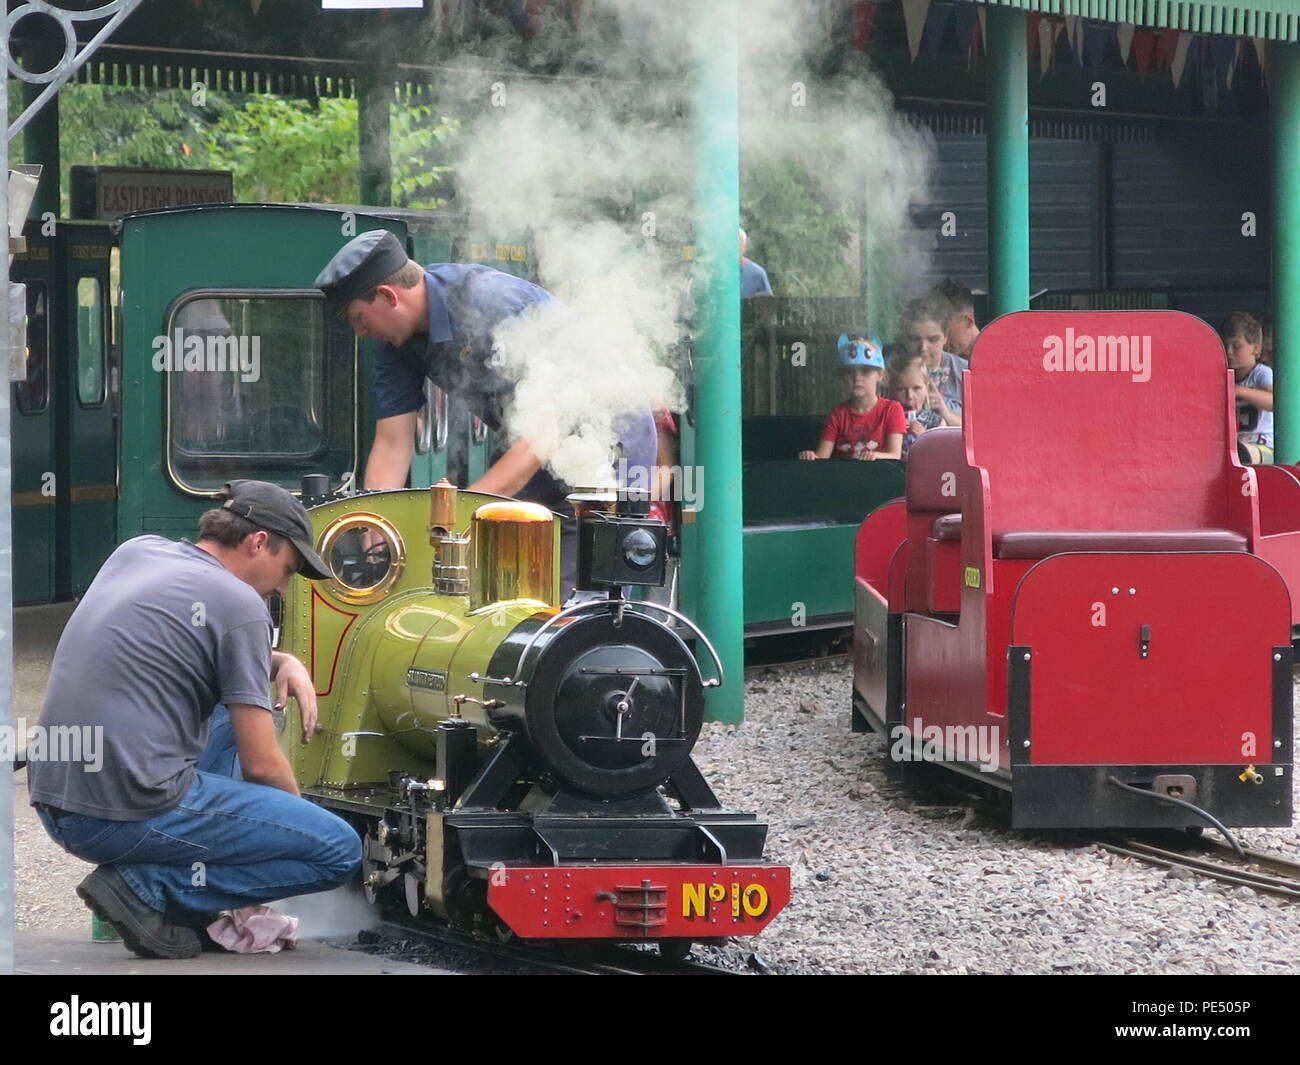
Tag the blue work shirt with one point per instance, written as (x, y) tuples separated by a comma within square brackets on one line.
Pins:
[(466, 302), (753, 280)]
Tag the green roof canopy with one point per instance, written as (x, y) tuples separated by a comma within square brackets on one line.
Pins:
[(1276, 20)]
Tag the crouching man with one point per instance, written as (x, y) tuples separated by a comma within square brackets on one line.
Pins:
[(169, 656)]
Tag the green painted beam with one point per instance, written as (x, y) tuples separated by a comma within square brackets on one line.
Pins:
[(374, 94), (41, 134), (720, 533), (1008, 162), (1284, 105), (1277, 20)]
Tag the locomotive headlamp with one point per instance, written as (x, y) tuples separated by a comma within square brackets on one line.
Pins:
[(614, 551)]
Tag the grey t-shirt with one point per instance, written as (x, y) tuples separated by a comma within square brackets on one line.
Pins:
[(163, 634)]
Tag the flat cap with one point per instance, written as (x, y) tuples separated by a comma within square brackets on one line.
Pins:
[(270, 507), (359, 266)]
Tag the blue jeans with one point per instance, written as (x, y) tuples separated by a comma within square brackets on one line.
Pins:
[(228, 844)]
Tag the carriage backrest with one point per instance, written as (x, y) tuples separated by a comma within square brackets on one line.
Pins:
[(1103, 421), (934, 466)]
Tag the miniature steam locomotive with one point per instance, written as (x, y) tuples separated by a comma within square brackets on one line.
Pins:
[(513, 767)]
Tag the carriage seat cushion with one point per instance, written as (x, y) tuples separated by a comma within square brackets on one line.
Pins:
[(1031, 545), (1028, 544)]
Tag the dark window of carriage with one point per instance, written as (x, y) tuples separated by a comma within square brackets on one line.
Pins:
[(257, 384), (32, 396)]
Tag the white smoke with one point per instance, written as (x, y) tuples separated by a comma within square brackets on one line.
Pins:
[(600, 170), (330, 914)]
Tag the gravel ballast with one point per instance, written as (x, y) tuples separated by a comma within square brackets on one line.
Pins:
[(889, 879)]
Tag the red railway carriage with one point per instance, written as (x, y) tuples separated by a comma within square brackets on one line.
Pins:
[(1083, 597)]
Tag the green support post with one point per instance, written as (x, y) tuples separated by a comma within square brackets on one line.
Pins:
[(1008, 161), (1284, 105), (374, 94), (41, 135), (714, 29)]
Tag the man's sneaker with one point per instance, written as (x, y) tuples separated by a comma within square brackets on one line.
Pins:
[(143, 929)]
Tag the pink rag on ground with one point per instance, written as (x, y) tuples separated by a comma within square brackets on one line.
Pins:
[(254, 930)]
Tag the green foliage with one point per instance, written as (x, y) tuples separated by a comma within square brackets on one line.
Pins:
[(284, 150), (279, 149), (800, 236)]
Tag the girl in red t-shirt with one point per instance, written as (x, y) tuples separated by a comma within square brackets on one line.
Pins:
[(866, 427)]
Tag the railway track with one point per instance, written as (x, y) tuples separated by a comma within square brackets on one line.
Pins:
[(1267, 873), (596, 961)]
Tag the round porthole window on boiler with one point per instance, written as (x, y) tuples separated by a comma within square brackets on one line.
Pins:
[(366, 555)]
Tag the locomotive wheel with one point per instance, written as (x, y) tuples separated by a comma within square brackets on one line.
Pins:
[(675, 950)]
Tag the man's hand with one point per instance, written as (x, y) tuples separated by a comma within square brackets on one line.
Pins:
[(292, 681)]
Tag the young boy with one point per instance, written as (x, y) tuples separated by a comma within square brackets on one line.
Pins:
[(922, 328), (867, 427), (923, 404), (1242, 340)]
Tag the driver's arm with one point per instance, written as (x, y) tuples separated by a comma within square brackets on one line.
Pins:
[(390, 455), (508, 475)]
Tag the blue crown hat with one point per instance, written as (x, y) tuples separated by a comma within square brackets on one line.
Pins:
[(857, 353)]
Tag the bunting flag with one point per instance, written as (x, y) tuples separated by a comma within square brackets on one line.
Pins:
[(1231, 70), (1223, 53), (983, 13), (967, 21), (1074, 35), (257, 5), (1031, 31), (1144, 48), (936, 25), (1166, 47), (864, 21), (1048, 30), (1095, 40), (914, 12), (1182, 51), (1261, 53), (1125, 37)]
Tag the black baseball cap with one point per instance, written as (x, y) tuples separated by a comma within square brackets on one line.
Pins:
[(359, 266), (270, 507)]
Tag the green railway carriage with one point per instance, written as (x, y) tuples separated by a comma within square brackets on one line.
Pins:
[(62, 415)]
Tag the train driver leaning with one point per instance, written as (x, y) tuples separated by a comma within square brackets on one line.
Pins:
[(436, 322), (164, 672)]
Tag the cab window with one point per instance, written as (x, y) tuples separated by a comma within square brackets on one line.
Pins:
[(257, 385)]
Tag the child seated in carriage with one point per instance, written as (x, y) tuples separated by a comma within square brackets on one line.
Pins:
[(910, 384), (1243, 340), (867, 427)]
